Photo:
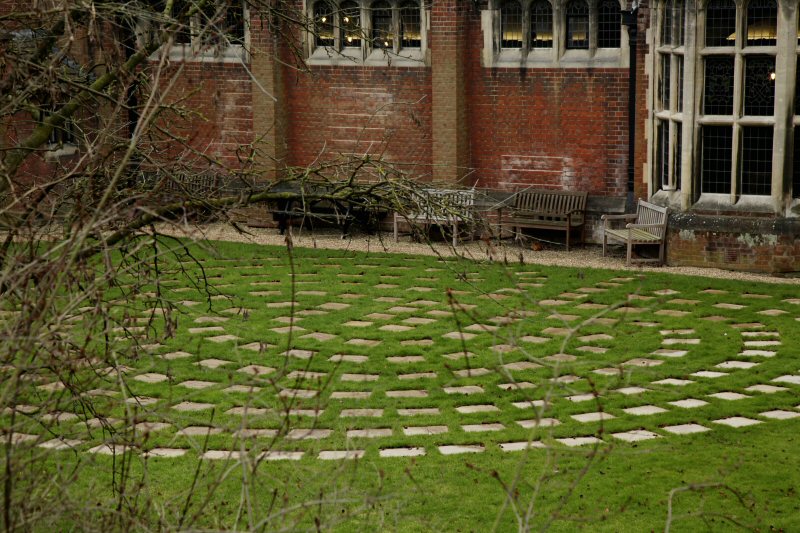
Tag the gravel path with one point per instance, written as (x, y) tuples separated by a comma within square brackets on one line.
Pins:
[(588, 257)]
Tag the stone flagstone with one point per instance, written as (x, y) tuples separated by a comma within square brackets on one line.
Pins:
[(418, 411), (213, 363), (395, 328), (688, 403), (256, 370), (710, 374), (467, 389), (208, 329), (579, 441), (192, 406), (520, 446), (517, 385), (729, 396), (308, 434), (413, 431), (358, 324), (401, 452), (643, 362), (471, 372), (350, 395), (521, 365), (299, 354), (635, 435), (406, 394), (644, 410), (685, 429), (151, 377), (405, 359), (289, 329), (319, 336), (736, 421), (257, 346), (369, 433), (222, 338), (297, 393), (673, 381), (673, 341), (592, 417), (479, 408), (199, 431), (780, 414), (479, 428), (765, 389), (792, 380), (417, 375), (359, 377), (631, 390), (343, 358), (336, 455), (355, 413), (246, 389), (757, 353), (737, 365), (176, 355), (458, 449), (539, 423), (363, 342)]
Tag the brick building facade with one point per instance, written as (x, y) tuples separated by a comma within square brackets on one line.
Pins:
[(508, 94)]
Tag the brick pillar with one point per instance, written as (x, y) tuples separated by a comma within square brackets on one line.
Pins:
[(449, 113), (269, 102)]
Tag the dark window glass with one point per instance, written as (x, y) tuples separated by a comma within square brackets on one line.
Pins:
[(667, 22), (663, 154), (756, 160), (323, 23), (679, 82), (716, 166), (541, 24), (410, 24), (718, 87), (609, 21), (350, 15), (577, 17), (511, 25), (678, 17), (382, 35), (721, 23), (759, 85), (64, 134), (180, 12), (796, 164), (762, 22), (676, 172), (797, 88), (664, 82), (234, 22)]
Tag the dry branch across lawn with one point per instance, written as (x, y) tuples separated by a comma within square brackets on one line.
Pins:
[(441, 372)]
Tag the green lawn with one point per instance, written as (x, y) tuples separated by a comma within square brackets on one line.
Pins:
[(501, 365)]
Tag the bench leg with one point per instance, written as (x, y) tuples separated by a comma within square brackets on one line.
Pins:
[(630, 251), (455, 234), (568, 232), (395, 227), (605, 242), (661, 252)]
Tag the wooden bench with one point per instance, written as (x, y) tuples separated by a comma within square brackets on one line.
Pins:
[(444, 207), (647, 226), (549, 209)]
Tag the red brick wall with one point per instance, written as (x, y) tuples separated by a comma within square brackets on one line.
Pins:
[(344, 110), (562, 128)]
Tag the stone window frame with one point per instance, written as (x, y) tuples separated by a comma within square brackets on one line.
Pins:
[(196, 50), (784, 121), (367, 54), (494, 55), (63, 140)]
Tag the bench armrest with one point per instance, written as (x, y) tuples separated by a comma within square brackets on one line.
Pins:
[(618, 217), (645, 225)]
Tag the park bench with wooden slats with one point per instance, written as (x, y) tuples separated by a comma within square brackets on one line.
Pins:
[(443, 207), (647, 226), (549, 209)]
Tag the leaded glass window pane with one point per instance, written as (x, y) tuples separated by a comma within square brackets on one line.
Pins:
[(762, 23), (664, 81), (541, 24), (759, 85), (676, 171), (351, 24), (679, 83), (577, 18), (667, 21), (382, 34), (756, 166), (718, 88), (662, 154), (721, 23), (511, 25), (609, 21), (323, 23), (410, 25), (796, 164), (678, 17), (716, 164)]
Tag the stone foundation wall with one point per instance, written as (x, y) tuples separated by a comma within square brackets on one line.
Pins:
[(769, 245)]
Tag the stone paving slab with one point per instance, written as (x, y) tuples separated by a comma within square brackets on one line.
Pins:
[(458, 449), (401, 452), (736, 421)]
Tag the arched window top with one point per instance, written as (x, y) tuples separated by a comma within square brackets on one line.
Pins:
[(350, 22), (541, 24), (762, 23), (609, 24), (720, 23), (323, 23), (577, 7), (511, 24), (672, 21), (410, 25), (577, 19), (382, 34)]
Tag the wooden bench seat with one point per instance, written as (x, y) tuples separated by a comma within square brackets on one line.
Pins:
[(443, 207), (549, 209), (647, 226)]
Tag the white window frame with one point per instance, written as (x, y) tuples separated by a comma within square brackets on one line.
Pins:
[(367, 54), (495, 56)]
